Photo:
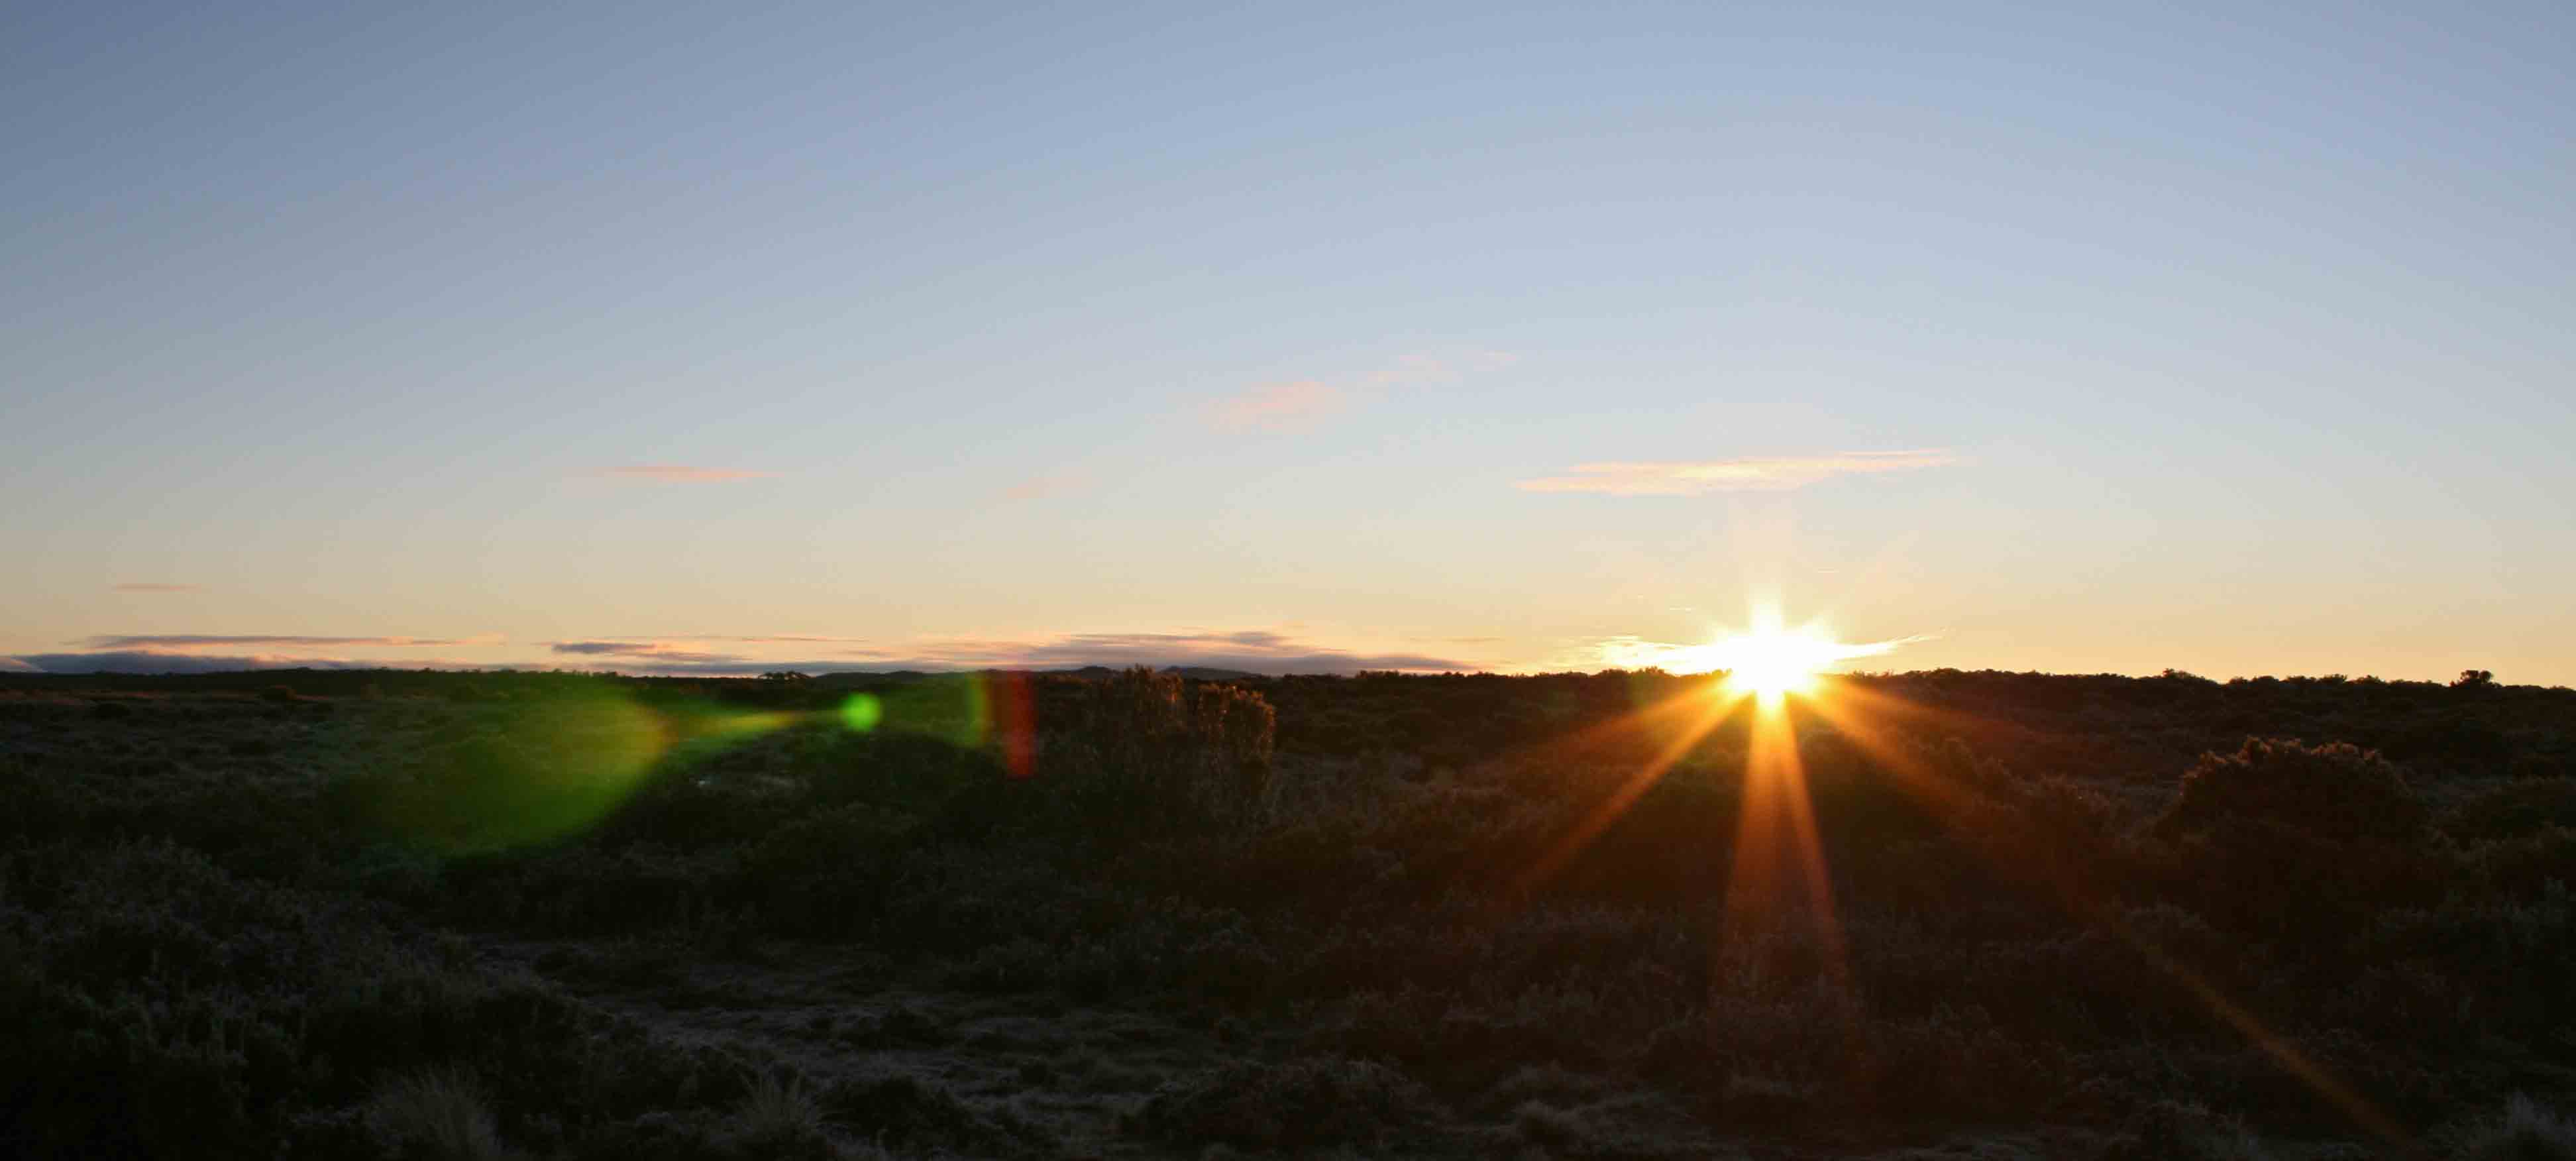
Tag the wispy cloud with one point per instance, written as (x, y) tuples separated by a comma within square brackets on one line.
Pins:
[(151, 661), (204, 640), (1278, 406), (1296, 403), (1041, 487), (747, 639), (680, 474), (154, 587), (649, 650), (1252, 651), (1747, 474), (773, 637), (1441, 367)]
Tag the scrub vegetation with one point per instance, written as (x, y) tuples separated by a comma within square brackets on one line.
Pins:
[(1132, 914)]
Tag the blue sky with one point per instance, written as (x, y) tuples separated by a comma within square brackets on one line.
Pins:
[(2226, 339)]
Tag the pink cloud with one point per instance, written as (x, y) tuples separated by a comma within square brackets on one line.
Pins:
[(208, 640), (155, 661), (1275, 406), (1249, 650), (1041, 487), (648, 650), (1299, 402)]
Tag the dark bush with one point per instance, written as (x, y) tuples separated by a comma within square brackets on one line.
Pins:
[(1150, 753), (2336, 790)]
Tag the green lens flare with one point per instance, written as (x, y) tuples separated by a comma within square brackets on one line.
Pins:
[(952, 708), (530, 775), (556, 760)]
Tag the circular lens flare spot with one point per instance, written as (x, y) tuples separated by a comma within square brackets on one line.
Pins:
[(862, 712)]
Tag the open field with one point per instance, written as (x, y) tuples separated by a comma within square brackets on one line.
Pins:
[(1120, 915)]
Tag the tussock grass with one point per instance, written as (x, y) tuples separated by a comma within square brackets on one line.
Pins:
[(779, 1111), (437, 1113)]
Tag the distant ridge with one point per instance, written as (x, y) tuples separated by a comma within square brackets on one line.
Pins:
[(1083, 673)]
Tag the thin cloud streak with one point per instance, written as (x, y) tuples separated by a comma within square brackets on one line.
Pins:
[(1411, 369), (1746, 474), (202, 640), (154, 587), (750, 639), (1041, 487), (147, 661), (1299, 403), (681, 474), (648, 650), (1278, 406), (1251, 651)]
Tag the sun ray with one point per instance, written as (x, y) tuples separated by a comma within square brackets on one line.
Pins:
[(1849, 708), (1712, 711), (1776, 836)]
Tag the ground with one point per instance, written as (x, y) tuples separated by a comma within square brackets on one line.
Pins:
[(2070, 917)]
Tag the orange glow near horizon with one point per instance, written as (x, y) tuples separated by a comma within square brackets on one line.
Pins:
[(1780, 878), (1767, 661)]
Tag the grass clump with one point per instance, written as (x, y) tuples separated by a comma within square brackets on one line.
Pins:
[(437, 1114), (779, 1116)]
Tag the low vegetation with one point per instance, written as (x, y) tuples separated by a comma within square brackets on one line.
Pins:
[(547, 915)]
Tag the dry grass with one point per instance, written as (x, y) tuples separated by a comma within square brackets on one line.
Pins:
[(440, 1113), (779, 1110)]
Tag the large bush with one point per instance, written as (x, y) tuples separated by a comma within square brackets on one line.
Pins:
[(2336, 791)]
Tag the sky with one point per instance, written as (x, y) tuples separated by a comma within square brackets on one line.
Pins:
[(720, 338)]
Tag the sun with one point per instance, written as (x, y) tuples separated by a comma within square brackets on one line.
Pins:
[(1767, 661), (1770, 659), (1770, 662)]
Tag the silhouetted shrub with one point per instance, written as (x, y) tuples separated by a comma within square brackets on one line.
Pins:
[(1150, 753), (2512, 809), (2336, 790)]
